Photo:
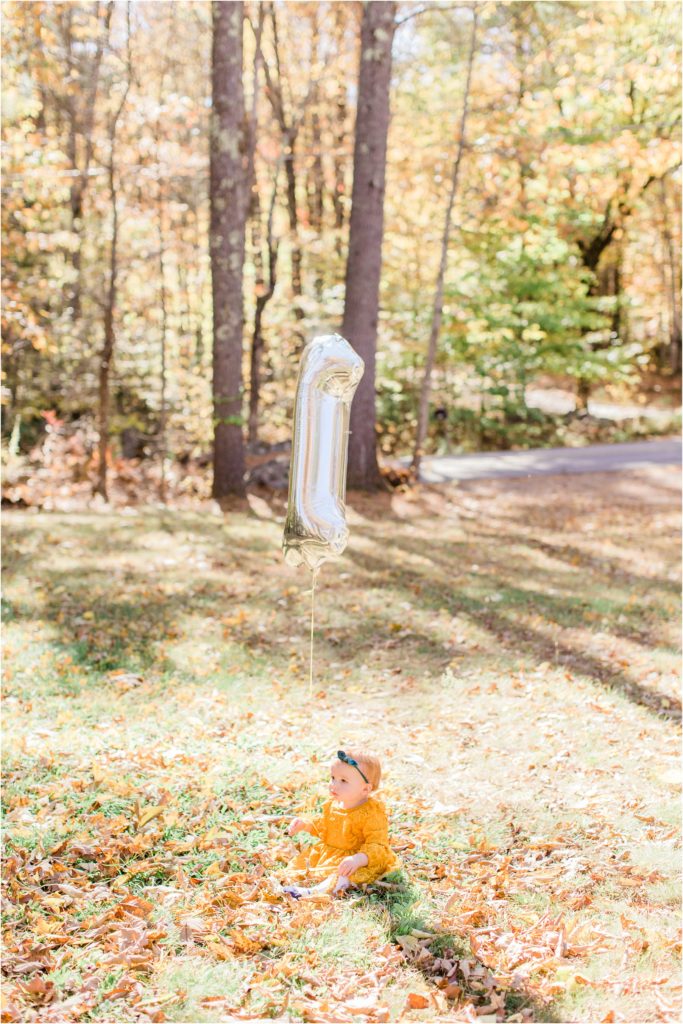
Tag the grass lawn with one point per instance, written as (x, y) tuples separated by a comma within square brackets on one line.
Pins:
[(509, 648)]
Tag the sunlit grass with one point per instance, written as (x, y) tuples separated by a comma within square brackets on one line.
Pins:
[(493, 684), (195, 980)]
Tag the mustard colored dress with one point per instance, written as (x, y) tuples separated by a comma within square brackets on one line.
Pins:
[(342, 832)]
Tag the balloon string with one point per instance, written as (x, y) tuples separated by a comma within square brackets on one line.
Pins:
[(310, 671)]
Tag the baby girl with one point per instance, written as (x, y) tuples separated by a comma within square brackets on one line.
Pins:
[(353, 830)]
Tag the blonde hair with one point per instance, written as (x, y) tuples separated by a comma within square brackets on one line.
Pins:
[(369, 765)]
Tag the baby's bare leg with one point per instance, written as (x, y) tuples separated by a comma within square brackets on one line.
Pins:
[(297, 891)]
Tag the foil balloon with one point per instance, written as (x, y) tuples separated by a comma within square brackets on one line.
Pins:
[(315, 527)]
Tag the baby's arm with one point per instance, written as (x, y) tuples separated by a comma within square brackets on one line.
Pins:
[(375, 849), (351, 864), (300, 825), (314, 827)]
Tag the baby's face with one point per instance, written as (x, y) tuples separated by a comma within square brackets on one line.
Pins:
[(347, 785)]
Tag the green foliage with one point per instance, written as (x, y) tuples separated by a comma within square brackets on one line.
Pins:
[(527, 310), (573, 131)]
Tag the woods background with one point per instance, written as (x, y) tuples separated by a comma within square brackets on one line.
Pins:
[(544, 147), (485, 200)]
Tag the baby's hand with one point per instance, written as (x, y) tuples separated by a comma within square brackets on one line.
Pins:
[(298, 825), (351, 864)]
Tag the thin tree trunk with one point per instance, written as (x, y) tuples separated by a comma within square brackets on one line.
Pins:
[(673, 288), (164, 332), (199, 284), (256, 225), (616, 291), (361, 303), (85, 129), (262, 300), (297, 286), (184, 321), (523, 56), (289, 127), (255, 221), (315, 186), (229, 207), (161, 234), (107, 357), (339, 130), (437, 311), (316, 199)]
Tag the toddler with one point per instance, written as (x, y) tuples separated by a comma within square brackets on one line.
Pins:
[(353, 830)]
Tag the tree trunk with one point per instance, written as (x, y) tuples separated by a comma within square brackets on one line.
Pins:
[(83, 125), (163, 343), (361, 304), (316, 179), (263, 297), (339, 130), (315, 185), (617, 276), (161, 234), (423, 409), (297, 288), (229, 205), (673, 288), (107, 357), (289, 127), (592, 250), (199, 282)]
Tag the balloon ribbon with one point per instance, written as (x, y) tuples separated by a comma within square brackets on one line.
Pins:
[(310, 670)]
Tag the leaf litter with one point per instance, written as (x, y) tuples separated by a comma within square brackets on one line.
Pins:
[(127, 851)]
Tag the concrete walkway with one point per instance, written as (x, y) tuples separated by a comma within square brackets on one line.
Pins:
[(597, 458), (559, 402)]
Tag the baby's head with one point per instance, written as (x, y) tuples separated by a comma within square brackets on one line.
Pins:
[(354, 775)]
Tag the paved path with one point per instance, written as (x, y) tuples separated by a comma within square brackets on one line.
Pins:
[(597, 458), (560, 402)]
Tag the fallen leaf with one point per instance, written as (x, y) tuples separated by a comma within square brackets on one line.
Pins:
[(416, 1001), (146, 815)]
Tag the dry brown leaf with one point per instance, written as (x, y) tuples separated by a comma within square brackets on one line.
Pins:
[(146, 815), (408, 943), (361, 1004), (38, 991), (220, 950), (416, 1001)]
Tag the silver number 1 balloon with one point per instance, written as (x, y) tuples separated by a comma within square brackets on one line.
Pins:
[(315, 528)]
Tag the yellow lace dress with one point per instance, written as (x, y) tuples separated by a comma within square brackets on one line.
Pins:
[(342, 832)]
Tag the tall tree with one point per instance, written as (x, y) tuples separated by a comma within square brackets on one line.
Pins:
[(229, 189), (339, 133), (361, 303), (171, 29), (264, 293), (437, 311), (290, 123), (672, 277), (78, 104), (107, 354)]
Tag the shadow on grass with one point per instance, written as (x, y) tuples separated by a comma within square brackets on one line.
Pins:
[(514, 635), (132, 615), (398, 904)]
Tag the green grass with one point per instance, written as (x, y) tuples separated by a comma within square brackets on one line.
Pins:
[(194, 982), (515, 670)]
